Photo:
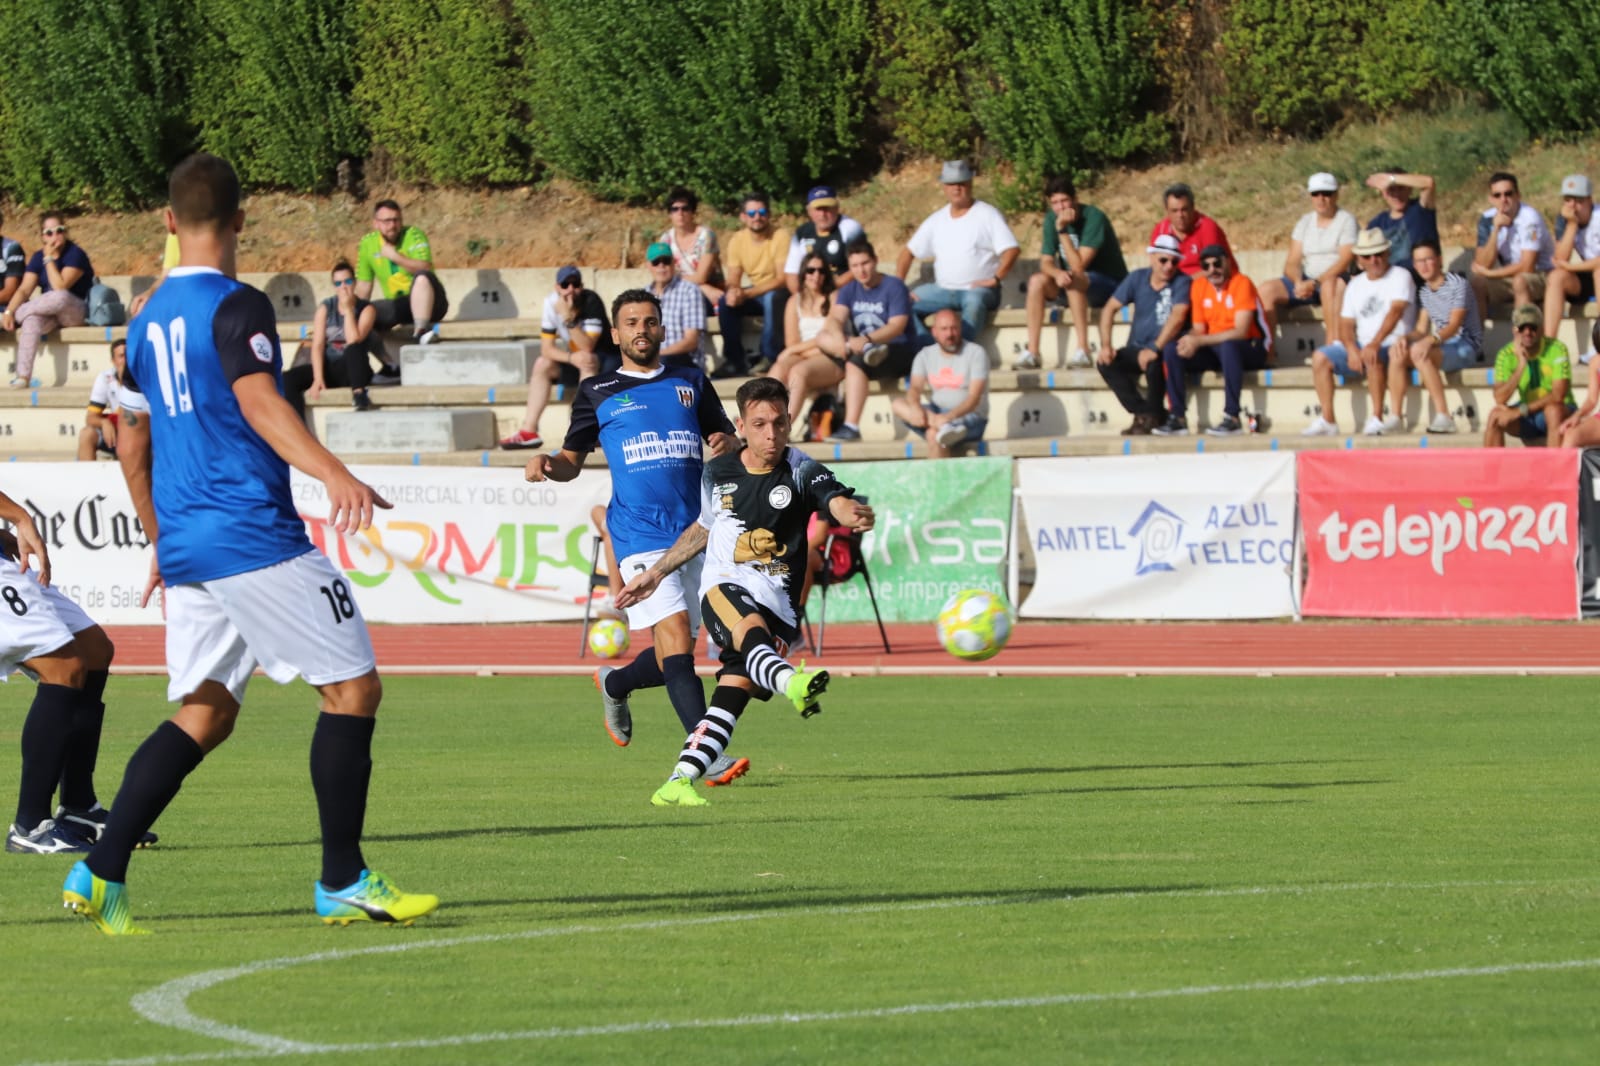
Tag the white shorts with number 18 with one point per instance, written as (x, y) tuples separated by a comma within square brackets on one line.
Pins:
[(294, 619)]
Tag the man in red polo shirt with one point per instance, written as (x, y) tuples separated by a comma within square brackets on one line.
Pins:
[(1226, 335), (1193, 230)]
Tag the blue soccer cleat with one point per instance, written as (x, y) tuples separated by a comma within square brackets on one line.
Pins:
[(105, 903), (372, 899)]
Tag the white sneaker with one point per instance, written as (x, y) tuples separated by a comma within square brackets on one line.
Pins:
[(1320, 427), (1079, 358), (1028, 360), (951, 433), (1373, 428), (1394, 424), (1442, 423)]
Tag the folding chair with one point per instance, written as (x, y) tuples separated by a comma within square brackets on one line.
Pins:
[(597, 580), (842, 560)]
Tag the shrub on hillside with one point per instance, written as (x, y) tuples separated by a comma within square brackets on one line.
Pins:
[(1535, 58), (90, 98), (1068, 85), (437, 88), (921, 57), (720, 95), (270, 88)]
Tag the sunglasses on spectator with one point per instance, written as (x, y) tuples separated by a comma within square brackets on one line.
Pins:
[(814, 270), (675, 208), (1166, 259), (661, 261), (1322, 192), (340, 283), (759, 212), (1530, 329), (574, 285), (51, 231), (1212, 262)]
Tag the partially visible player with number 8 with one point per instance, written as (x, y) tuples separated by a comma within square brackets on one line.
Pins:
[(205, 444)]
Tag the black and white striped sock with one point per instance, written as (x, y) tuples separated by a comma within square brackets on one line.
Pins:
[(767, 668), (706, 744)]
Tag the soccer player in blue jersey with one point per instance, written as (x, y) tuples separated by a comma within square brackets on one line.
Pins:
[(205, 444), (650, 420)]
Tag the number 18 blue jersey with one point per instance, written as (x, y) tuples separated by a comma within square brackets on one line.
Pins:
[(221, 493)]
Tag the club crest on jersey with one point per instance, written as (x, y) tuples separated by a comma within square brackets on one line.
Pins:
[(780, 496), (686, 396), (261, 347)]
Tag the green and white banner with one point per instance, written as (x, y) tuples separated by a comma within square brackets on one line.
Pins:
[(941, 527)]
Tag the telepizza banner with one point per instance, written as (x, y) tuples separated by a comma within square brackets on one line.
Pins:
[(1159, 536), (1436, 533), (460, 545)]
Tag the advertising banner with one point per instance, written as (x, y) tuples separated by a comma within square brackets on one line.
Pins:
[(1589, 530), (941, 527), (460, 545), (1160, 536), (1441, 533)]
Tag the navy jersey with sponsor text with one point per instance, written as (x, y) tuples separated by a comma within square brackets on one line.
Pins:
[(221, 493), (651, 427)]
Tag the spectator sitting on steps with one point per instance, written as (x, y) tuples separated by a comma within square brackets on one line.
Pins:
[(955, 374), (1321, 250), (1577, 233), (826, 232), (972, 250), (339, 352), (1159, 297), (1226, 335), (54, 292), (1532, 385), (753, 265), (398, 260), (1080, 259), (1448, 335), (575, 343), (1515, 249), (99, 432)]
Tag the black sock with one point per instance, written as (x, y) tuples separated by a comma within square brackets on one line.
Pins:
[(154, 775), (643, 672), (341, 767), (44, 746), (83, 745), (684, 689)]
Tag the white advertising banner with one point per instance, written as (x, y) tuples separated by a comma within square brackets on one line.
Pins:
[(1160, 536), (459, 545)]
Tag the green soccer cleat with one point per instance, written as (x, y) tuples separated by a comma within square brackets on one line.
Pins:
[(804, 688), (105, 903), (679, 792), (372, 899)]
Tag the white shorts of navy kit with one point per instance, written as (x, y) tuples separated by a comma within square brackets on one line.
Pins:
[(288, 618), (678, 591), (35, 619)]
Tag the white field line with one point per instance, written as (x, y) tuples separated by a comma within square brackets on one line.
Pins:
[(993, 670), (167, 1004)]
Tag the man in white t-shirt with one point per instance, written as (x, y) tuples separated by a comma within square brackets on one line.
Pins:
[(99, 432), (1578, 237), (972, 250), (1379, 309), (1515, 249), (955, 374), (1320, 252)]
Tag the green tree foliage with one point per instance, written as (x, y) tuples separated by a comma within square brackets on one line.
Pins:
[(1302, 65), (922, 52), (437, 86), (1535, 58), (722, 95), (1068, 86), (271, 88), (90, 94)]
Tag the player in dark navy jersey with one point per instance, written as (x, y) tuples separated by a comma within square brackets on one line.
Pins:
[(755, 506), (650, 420), (205, 444)]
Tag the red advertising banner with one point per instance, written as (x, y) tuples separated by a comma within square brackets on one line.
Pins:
[(1457, 533)]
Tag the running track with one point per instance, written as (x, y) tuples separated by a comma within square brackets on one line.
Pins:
[(1035, 648)]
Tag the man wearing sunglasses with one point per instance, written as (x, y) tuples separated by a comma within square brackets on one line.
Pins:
[(1379, 310), (1577, 234), (575, 344), (1321, 250), (753, 265), (683, 309), (826, 232), (1515, 249), (1532, 384), (397, 260), (1227, 335), (1159, 297)]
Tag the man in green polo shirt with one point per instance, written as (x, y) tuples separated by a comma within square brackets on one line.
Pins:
[(1080, 258), (397, 258), (1532, 384)]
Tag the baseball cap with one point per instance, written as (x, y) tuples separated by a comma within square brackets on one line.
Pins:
[(1575, 185), (955, 172), (1213, 250), (568, 274), (656, 251), (822, 196), (1322, 181), (1166, 244), (1527, 315)]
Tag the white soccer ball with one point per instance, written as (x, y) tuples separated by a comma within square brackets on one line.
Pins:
[(974, 625), (608, 637)]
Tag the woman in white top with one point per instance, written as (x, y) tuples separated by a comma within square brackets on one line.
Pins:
[(694, 247), (804, 368), (1320, 253)]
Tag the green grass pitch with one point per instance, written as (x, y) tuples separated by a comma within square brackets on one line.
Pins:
[(955, 871)]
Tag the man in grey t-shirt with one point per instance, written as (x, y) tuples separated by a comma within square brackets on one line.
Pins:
[(955, 374)]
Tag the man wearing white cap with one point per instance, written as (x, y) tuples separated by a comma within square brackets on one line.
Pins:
[(1577, 234), (972, 250), (1379, 309), (1320, 253)]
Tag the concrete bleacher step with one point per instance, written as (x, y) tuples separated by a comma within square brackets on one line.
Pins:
[(421, 430), (474, 363)]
